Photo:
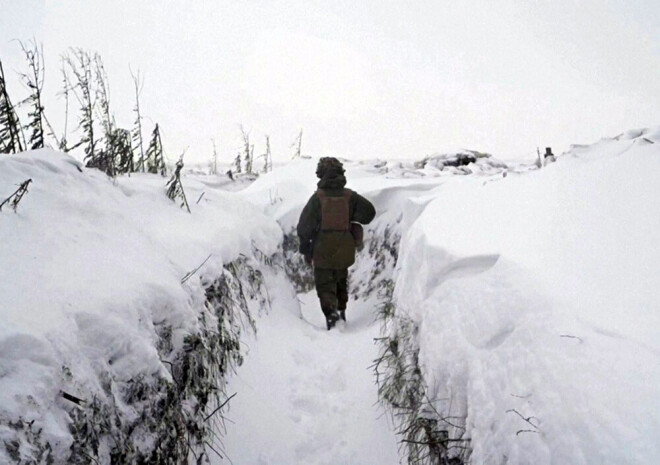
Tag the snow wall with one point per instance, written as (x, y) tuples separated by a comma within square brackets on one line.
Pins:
[(110, 349), (526, 313)]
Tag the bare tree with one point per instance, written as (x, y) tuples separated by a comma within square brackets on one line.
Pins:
[(214, 159), (63, 143), (248, 151), (137, 129), (298, 145), (108, 156), (268, 159), (79, 63)]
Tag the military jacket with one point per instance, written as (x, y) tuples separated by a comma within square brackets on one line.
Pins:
[(333, 248)]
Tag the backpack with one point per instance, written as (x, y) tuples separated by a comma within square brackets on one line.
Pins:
[(334, 247)]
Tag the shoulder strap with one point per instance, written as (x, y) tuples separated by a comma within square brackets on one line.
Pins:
[(348, 194)]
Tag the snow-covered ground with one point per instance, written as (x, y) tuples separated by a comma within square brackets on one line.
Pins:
[(530, 299), (307, 396)]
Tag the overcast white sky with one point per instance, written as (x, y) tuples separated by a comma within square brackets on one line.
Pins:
[(364, 79)]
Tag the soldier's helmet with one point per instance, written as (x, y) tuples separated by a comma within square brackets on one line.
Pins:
[(329, 165)]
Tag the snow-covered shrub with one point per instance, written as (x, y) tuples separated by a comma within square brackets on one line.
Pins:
[(167, 419), (106, 354), (299, 273), (28, 441), (375, 263), (427, 437)]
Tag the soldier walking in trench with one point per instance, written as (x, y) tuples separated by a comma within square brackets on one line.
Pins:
[(329, 230)]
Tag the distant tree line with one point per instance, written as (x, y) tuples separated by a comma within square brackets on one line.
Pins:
[(108, 147), (245, 161)]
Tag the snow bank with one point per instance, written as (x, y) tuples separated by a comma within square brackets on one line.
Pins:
[(283, 193), (90, 287), (526, 298), (536, 301)]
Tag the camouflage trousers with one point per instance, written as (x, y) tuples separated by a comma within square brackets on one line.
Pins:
[(332, 289)]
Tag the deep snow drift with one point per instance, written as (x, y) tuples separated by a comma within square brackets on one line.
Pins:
[(537, 303), (306, 396)]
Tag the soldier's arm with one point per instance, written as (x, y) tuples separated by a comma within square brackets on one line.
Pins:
[(310, 219), (363, 210)]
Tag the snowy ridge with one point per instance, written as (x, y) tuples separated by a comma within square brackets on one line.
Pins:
[(93, 305)]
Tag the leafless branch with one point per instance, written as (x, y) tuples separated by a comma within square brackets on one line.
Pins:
[(220, 406), (526, 431), (190, 273), (572, 337), (525, 419)]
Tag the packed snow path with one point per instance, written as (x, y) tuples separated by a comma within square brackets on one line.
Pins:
[(306, 395)]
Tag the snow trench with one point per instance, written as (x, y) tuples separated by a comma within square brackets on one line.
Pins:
[(168, 416), (425, 435)]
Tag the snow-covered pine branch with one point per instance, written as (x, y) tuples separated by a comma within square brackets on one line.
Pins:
[(122, 147), (248, 151), (11, 135), (155, 160), (237, 163)]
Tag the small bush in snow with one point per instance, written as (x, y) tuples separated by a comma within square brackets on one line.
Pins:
[(154, 418), (14, 199), (175, 188)]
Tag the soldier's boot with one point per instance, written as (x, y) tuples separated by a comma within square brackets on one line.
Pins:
[(342, 300), (331, 319), (329, 308)]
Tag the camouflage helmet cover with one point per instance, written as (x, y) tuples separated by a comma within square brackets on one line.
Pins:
[(327, 165)]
